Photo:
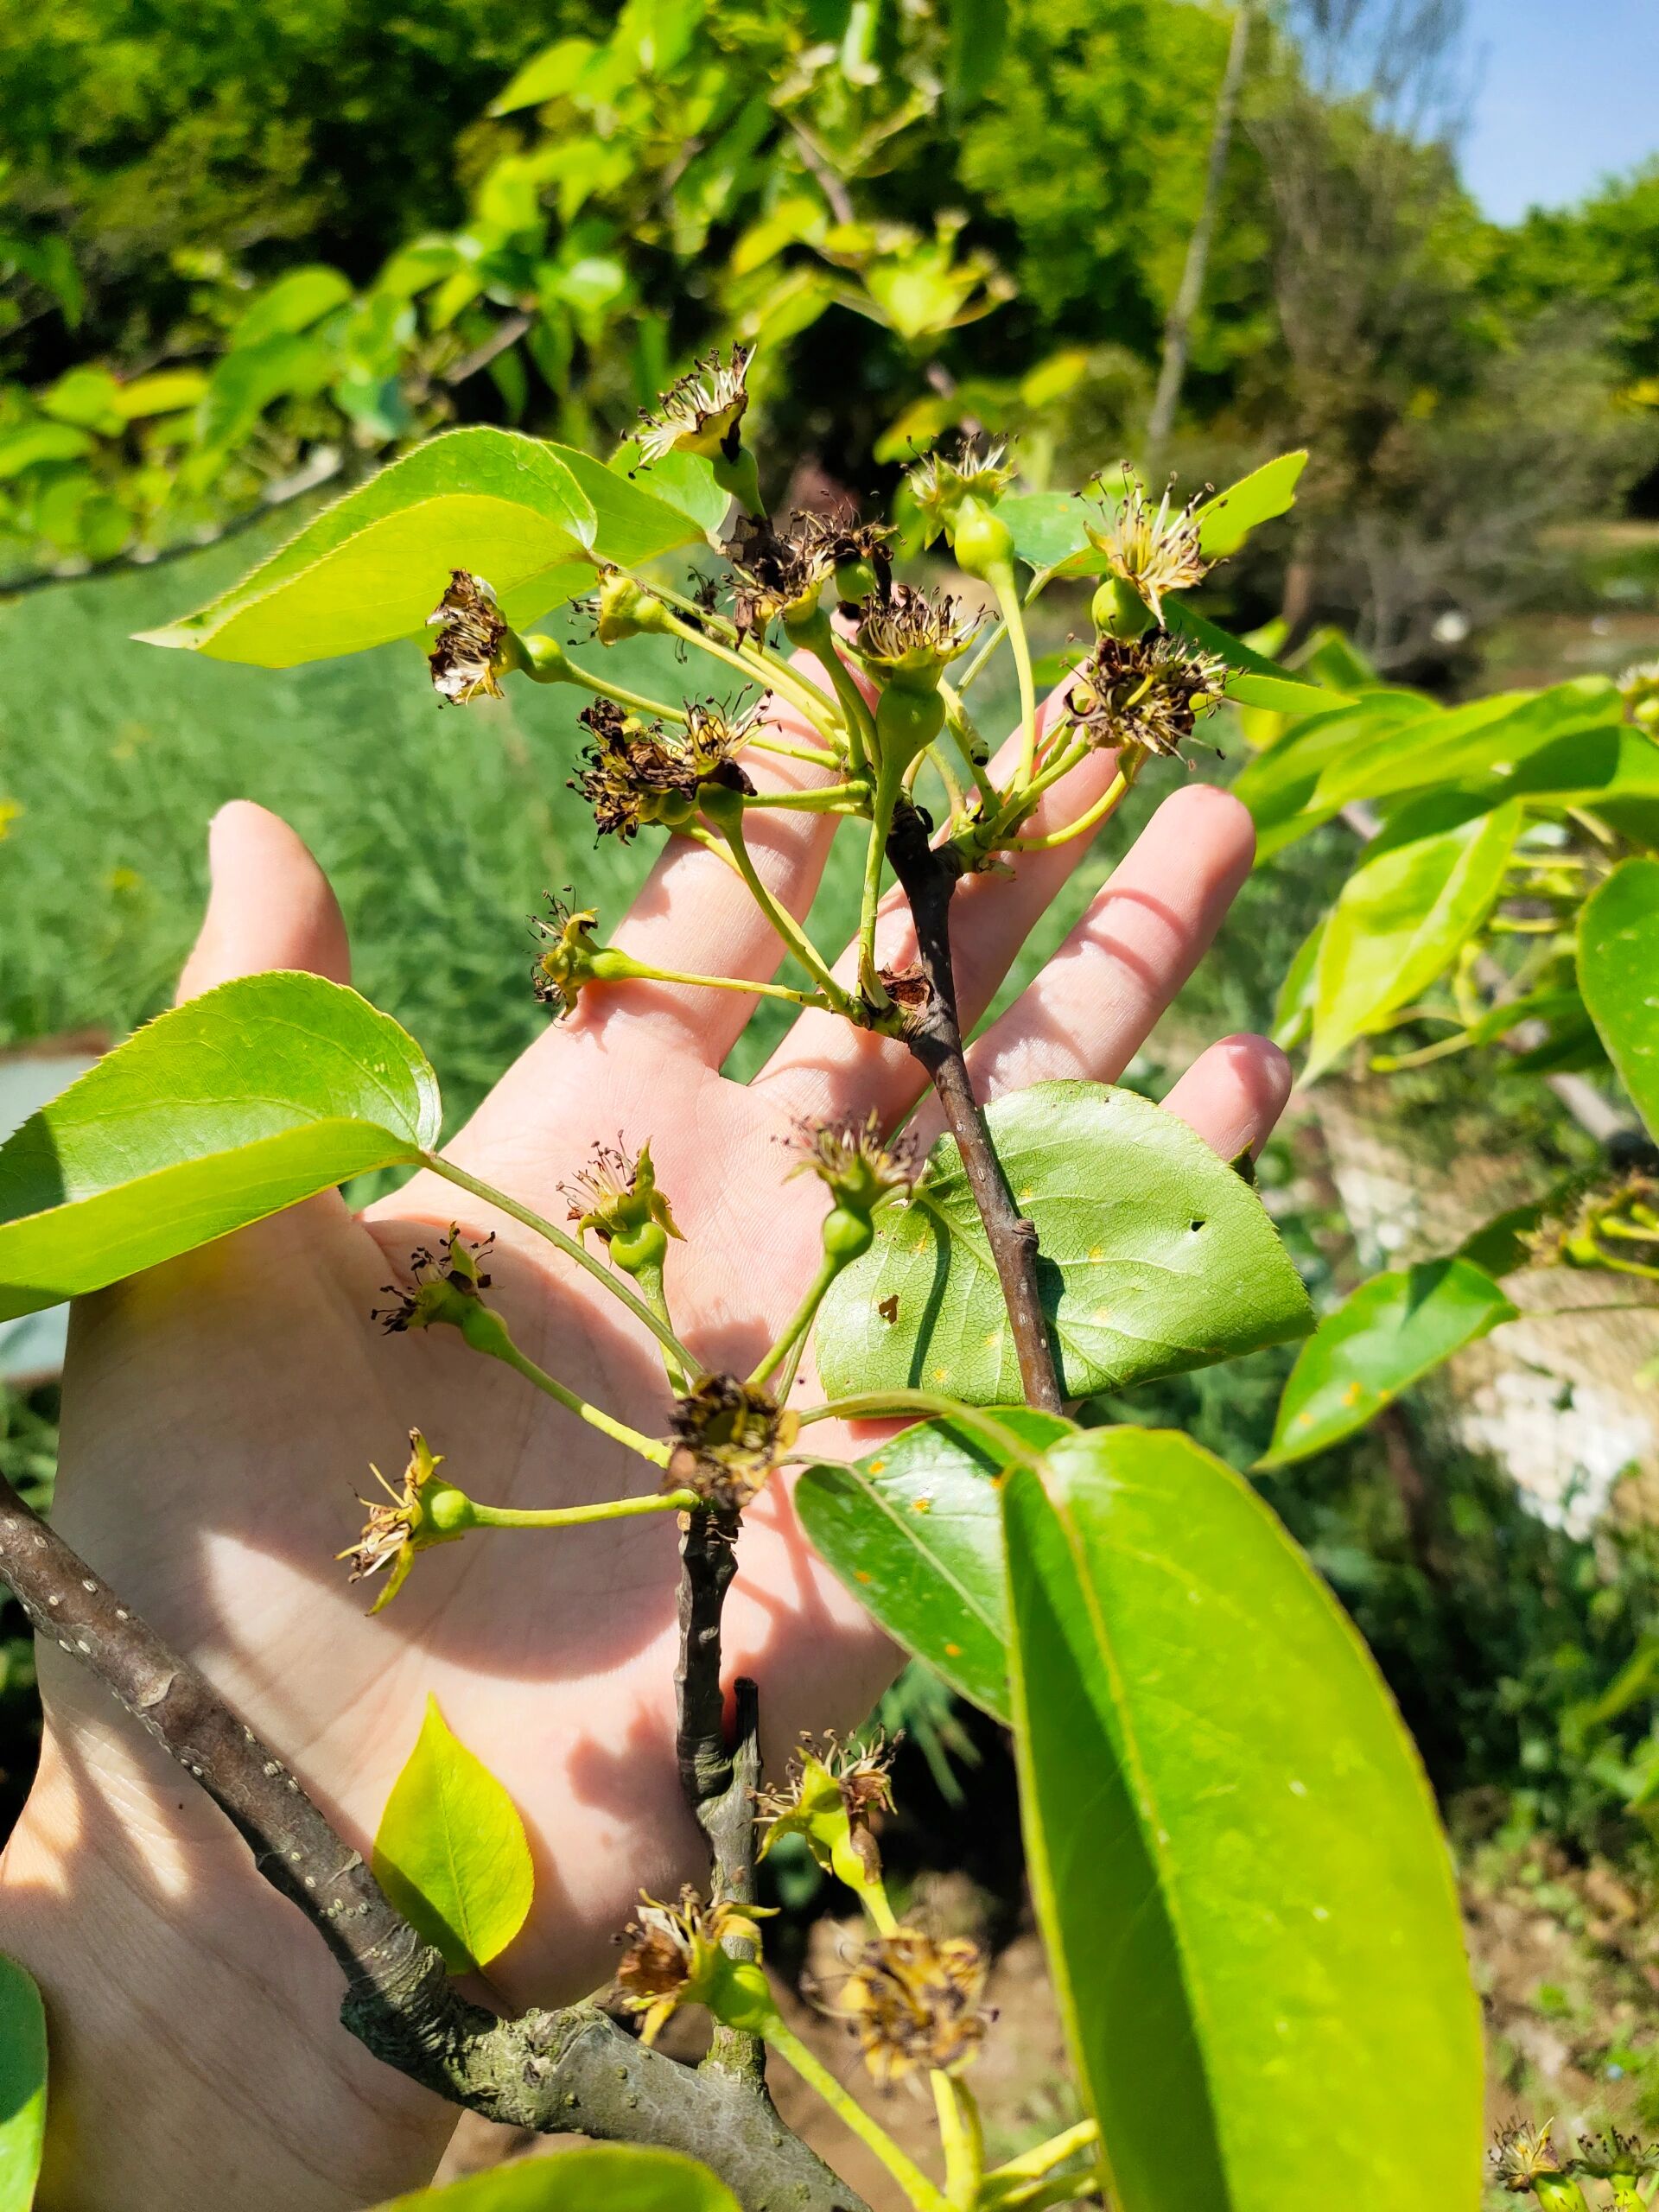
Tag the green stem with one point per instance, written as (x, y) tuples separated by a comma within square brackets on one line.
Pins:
[(822, 798), (1043, 2158), (993, 639), (889, 786), (731, 828), (960, 723), (648, 1447), (573, 1251), (963, 2138), (574, 1517), (756, 666), (800, 1321), (815, 1000), (648, 1275), (1000, 576), (815, 753), (878, 1405), (1108, 802), (566, 671), (910, 2178), (818, 636)]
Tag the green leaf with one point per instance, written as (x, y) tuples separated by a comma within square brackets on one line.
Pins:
[(451, 1852), (1499, 1246), (34, 442), (1619, 974), (1226, 520), (233, 1106), (914, 1531), (600, 2178), (1486, 741), (1049, 531), (1427, 883), (1293, 1010), (547, 76), (370, 568), (685, 480), (23, 2086), (979, 32), (1250, 680), (1384, 1337), (1247, 1902), (631, 525), (293, 303), (1279, 785), (1156, 1258)]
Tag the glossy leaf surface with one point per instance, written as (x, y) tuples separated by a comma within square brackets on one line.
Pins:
[(597, 2177), (1226, 520), (1427, 883), (1619, 974), (23, 2086), (451, 1852), (1238, 1872), (1384, 1336), (914, 1531), (232, 1107), (1156, 1258)]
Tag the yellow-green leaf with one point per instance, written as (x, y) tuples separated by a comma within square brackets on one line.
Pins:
[(600, 2178), (451, 1852), (1619, 974), (23, 2086), (1226, 520)]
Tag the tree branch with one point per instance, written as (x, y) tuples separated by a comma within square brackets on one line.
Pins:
[(719, 1779), (933, 1032), (573, 2070)]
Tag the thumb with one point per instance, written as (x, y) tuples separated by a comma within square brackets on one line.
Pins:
[(269, 906)]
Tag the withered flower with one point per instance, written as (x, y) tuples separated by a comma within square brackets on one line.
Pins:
[(634, 773), (1152, 549), (1639, 689), (830, 1796), (676, 1956), (469, 659), (1614, 1227), (427, 1510), (911, 635), (857, 552), (566, 960), (616, 1194), (1524, 2155), (977, 470), (1148, 691), (915, 2004), (729, 1437), (446, 1283), (775, 572), (702, 413), (859, 1164)]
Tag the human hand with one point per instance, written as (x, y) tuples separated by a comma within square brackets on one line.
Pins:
[(221, 1413)]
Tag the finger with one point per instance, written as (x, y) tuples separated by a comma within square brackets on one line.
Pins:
[(1233, 1094), (823, 1067), (269, 906), (1093, 1006)]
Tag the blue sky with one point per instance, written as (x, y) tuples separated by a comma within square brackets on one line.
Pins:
[(1568, 93)]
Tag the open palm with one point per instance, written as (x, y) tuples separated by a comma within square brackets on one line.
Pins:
[(221, 1413)]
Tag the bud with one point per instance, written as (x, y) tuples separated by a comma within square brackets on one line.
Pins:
[(908, 639), (702, 413), (1153, 552), (626, 609), (445, 1285), (729, 1437), (475, 648), (860, 1168), (616, 1196), (960, 494), (828, 1798), (1148, 692), (566, 961), (676, 1956), (914, 2004), (427, 1511)]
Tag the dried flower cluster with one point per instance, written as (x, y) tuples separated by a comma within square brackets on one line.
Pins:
[(978, 469), (616, 1193), (1152, 549), (1147, 691), (565, 962), (915, 2004), (439, 1279), (912, 632), (859, 1163), (729, 1436), (635, 773), (702, 413), (827, 1787), (395, 1532), (467, 661)]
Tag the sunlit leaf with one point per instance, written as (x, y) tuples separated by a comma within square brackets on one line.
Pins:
[(1251, 680), (597, 2177), (979, 32), (1487, 741), (1278, 786), (1247, 1902), (547, 76), (914, 1531), (1427, 883), (1226, 520), (293, 303), (451, 1852), (23, 2086), (1619, 974), (1384, 1337), (532, 518), (233, 1106), (1156, 1258)]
